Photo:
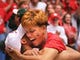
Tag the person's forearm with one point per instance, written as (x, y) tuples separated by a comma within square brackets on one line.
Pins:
[(47, 55), (24, 57), (9, 6)]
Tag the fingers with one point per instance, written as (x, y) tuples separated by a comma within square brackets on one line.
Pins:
[(8, 49), (28, 52), (34, 52), (15, 54)]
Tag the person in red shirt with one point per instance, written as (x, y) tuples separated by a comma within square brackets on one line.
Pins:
[(2, 24), (71, 31), (2, 32), (11, 5), (50, 45), (70, 5)]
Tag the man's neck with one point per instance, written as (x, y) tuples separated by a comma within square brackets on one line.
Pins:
[(24, 48)]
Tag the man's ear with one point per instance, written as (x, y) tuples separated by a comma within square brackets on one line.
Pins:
[(44, 27), (23, 41)]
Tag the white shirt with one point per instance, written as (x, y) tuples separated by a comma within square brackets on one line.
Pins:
[(40, 5), (60, 29), (78, 41), (13, 39)]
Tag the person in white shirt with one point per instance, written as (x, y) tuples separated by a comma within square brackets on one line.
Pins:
[(54, 27), (78, 43), (36, 4), (13, 38)]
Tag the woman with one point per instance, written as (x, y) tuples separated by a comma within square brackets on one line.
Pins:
[(70, 30)]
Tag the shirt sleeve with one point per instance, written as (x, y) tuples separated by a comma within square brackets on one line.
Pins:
[(55, 42)]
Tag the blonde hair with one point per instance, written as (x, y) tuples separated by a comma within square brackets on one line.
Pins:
[(34, 18)]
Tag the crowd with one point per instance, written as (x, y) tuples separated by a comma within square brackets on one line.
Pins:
[(34, 21)]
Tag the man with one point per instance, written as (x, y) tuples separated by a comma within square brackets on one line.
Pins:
[(36, 4), (50, 45), (54, 27)]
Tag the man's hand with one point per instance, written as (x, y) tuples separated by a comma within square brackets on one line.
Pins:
[(13, 53), (34, 52)]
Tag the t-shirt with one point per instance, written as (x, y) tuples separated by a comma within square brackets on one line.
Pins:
[(54, 42), (14, 38), (40, 6), (60, 29), (70, 30)]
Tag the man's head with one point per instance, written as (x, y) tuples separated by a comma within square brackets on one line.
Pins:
[(34, 23), (18, 15), (24, 4), (54, 19)]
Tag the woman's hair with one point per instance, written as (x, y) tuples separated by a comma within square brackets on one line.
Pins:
[(34, 18), (23, 2)]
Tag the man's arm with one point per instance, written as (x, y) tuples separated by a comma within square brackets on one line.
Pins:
[(46, 54), (68, 54)]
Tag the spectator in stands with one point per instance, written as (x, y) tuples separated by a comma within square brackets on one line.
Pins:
[(54, 28), (76, 17), (60, 12), (2, 32), (36, 4), (24, 4), (49, 10), (70, 30), (17, 13), (16, 19), (78, 42)]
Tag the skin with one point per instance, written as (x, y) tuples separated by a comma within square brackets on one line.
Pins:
[(36, 33)]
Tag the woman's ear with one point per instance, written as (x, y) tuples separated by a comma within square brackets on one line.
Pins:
[(23, 42)]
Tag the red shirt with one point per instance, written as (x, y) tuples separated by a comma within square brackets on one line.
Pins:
[(72, 4), (2, 28), (69, 31), (2, 24), (55, 42), (52, 16), (9, 13), (3, 5)]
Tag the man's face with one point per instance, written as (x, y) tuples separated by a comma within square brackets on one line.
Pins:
[(58, 8), (35, 34), (55, 21), (25, 6)]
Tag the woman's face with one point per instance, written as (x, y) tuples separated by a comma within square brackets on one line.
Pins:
[(50, 9), (68, 18), (35, 34), (25, 5), (58, 9)]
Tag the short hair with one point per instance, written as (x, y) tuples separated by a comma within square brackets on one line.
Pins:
[(34, 18), (23, 2)]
